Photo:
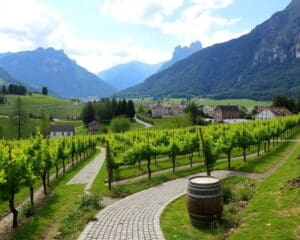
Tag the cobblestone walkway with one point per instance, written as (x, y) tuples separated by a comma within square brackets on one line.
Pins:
[(137, 217), (88, 174)]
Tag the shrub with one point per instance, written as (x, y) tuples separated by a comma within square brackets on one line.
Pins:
[(90, 201), (227, 193), (120, 124), (26, 211)]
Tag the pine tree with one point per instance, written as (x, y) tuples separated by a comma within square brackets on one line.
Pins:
[(131, 109), (88, 113)]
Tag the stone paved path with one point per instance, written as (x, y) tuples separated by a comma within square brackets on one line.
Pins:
[(137, 217), (88, 174), (146, 125)]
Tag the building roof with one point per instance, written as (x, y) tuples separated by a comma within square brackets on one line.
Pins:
[(93, 123), (278, 111), (228, 108), (61, 128)]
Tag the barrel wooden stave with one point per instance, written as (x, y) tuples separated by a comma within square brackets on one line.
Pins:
[(204, 201)]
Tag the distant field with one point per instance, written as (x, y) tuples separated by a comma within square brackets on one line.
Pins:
[(240, 102), (212, 102), (8, 129), (56, 107)]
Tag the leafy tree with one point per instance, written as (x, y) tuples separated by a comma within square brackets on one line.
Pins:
[(12, 172), (45, 123), (284, 101), (120, 124), (193, 111), (45, 91)]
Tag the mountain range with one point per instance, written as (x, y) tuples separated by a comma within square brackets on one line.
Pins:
[(258, 65), (182, 53), (55, 70), (129, 74)]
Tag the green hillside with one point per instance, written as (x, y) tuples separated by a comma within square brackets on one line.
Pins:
[(258, 65), (56, 107)]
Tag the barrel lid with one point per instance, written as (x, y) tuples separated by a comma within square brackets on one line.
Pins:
[(204, 180)]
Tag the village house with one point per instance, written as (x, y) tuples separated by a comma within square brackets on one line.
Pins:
[(264, 113), (93, 127), (167, 110), (61, 130), (226, 112)]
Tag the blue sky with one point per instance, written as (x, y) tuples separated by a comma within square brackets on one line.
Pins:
[(99, 34)]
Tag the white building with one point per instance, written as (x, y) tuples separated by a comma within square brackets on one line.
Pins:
[(265, 113), (167, 110), (61, 130)]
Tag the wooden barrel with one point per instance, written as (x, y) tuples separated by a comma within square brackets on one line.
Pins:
[(204, 200)]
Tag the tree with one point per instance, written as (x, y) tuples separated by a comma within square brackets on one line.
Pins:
[(120, 124), (11, 177), (45, 123), (19, 116), (4, 91), (88, 113), (193, 111), (45, 91), (123, 108), (130, 109), (284, 101)]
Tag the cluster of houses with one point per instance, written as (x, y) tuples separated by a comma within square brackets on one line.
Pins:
[(228, 113), (220, 114), (167, 110), (69, 130)]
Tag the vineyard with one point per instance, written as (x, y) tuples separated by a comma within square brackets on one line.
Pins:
[(23, 163), (136, 148)]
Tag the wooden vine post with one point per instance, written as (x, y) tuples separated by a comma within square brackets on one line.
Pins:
[(109, 166), (204, 152)]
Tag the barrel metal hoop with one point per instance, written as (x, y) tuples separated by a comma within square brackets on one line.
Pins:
[(204, 196)]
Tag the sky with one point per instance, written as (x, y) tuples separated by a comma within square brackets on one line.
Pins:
[(99, 34)]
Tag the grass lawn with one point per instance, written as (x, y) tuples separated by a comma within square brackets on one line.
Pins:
[(175, 222), (63, 199), (274, 211)]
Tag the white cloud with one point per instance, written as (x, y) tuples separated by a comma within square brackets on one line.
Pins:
[(147, 12), (194, 19), (31, 25)]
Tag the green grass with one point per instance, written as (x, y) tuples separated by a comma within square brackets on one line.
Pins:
[(56, 107), (176, 224), (162, 164), (99, 186), (274, 211), (240, 102), (64, 199), (212, 102), (8, 128), (262, 163)]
